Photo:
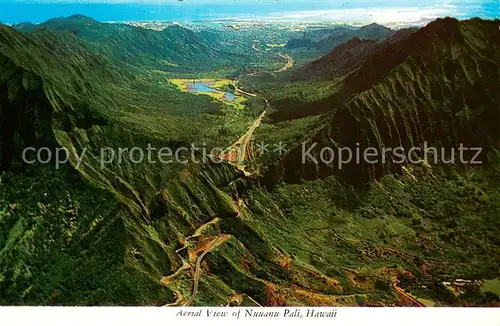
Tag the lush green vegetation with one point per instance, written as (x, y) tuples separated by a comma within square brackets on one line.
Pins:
[(428, 223), (64, 241), (294, 234)]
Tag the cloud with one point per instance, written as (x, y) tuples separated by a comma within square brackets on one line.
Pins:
[(381, 15)]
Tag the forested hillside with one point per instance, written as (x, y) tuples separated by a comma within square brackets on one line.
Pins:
[(173, 49)]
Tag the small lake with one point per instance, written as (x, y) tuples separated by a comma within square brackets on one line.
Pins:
[(200, 87)]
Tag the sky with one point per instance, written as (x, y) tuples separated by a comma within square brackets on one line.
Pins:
[(409, 12), (333, 2)]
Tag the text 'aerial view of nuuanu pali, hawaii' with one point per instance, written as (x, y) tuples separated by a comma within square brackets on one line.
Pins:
[(250, 153)]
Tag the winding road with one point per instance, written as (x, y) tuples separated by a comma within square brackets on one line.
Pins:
[(197, 270), (239, 90), (214, 244), (240, 150), (289, 63), (240, 147), (406, 295)]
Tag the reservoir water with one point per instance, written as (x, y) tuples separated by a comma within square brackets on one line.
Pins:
[(200, 87)]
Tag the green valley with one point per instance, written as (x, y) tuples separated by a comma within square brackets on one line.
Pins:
[(196, 169)]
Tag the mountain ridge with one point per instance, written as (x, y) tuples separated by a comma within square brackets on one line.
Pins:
[(328, 41), (455, 73), (136, 46), (372, 64)]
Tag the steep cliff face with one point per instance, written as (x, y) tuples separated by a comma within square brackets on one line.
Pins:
[(357, 66), (437, 86), (47, 82), (435, 38), (25, 113)]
